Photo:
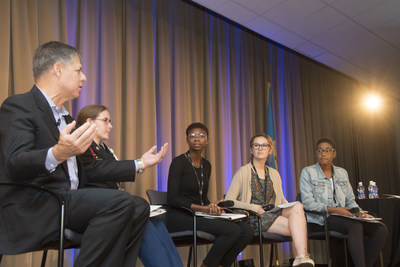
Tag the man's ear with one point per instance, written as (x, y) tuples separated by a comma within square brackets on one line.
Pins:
[(57, 69)]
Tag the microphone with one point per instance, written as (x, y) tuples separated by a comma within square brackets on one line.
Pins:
[(226, 204), (354, 210), (58, 122), (268, 207)]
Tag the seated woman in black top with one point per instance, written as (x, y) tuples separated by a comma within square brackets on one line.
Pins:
[(188, 181)]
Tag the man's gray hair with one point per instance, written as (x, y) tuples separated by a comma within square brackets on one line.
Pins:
[(50, 53)]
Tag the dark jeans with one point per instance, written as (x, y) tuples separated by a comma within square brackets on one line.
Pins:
[(231, 237), (366, 239), (157, 248)]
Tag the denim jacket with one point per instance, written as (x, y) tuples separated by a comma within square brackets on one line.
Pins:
[(317, 194)]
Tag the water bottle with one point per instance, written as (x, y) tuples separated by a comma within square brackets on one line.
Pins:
[(360, 191), (371, 190), (376, 195)]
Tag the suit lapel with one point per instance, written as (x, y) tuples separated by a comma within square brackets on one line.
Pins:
[(68, 119), (48, 118), (47, 113)]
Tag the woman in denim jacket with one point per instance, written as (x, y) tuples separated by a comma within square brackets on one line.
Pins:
[(326, 188)]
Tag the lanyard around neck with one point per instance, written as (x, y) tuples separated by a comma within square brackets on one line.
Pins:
[(333, 186), (333, 190), (255, 170), (200, 183), (266, 177)]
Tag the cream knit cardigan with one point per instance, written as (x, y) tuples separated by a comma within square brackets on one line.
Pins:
[(240, 189)]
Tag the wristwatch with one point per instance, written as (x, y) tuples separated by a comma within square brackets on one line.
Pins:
[(140, 166)]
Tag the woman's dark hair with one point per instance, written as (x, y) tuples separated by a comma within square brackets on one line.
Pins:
[(195, 125), (89, 112), (327, 140)]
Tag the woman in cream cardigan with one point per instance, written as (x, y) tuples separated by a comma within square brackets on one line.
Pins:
[(255, 186)]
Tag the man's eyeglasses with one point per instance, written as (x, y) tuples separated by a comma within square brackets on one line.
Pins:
[(200, 135), (260, 146), (327, 151), (105, 120)]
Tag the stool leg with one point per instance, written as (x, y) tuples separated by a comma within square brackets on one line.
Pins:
[(276, 256), (271, 255), (189, 257), (44, 257)]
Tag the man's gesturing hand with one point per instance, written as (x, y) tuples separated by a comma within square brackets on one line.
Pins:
[(151, 158), (72, 144)]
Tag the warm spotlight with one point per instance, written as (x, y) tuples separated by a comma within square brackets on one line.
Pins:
[(373, 102)]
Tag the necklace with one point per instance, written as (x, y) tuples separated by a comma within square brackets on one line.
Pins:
[(200, 183)]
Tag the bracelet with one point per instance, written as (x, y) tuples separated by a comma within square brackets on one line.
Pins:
[(140, 166)]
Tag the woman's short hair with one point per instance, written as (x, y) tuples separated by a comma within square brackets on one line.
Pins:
[(195, 125), (326, 140), (89, 112)]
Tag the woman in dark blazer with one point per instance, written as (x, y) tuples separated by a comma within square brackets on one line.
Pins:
[(106, 171)]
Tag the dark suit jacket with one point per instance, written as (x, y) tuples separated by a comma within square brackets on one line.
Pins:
[(29, 219), (103, 170)]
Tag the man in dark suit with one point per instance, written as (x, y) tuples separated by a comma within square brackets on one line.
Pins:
[(40, 145)]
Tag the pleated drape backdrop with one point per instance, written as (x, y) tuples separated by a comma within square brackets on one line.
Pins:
[(160, 65)]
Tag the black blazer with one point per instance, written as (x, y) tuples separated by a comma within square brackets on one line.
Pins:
[(29, 219), (28, 131), (103, 170)]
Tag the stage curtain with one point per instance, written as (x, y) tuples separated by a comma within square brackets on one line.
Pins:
[(161, 65)]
